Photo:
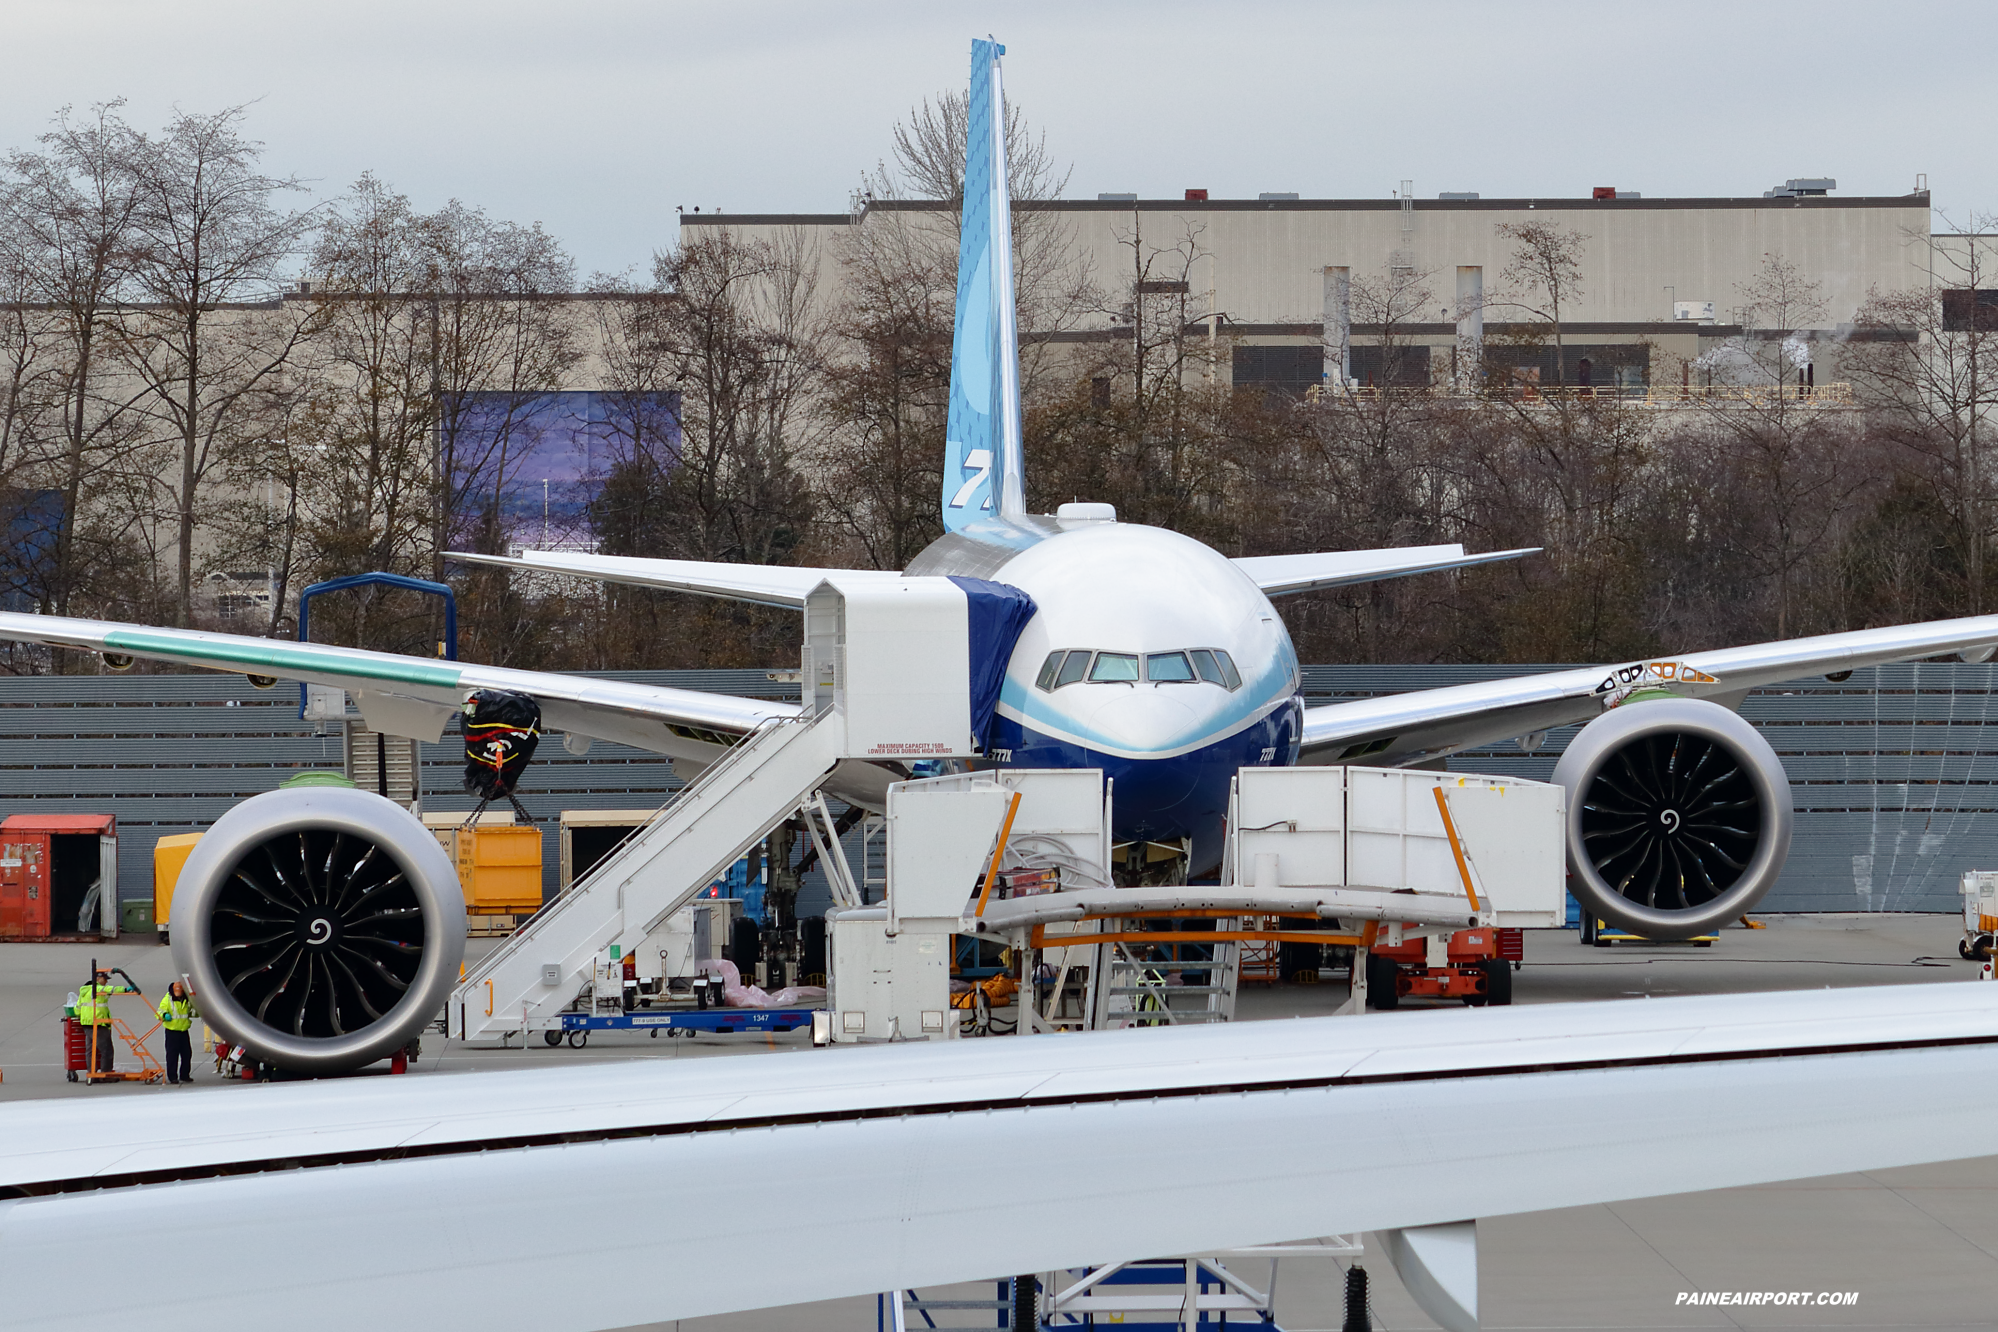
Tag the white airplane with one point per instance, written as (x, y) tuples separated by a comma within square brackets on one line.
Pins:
[(1122, 647), (1144, 653)]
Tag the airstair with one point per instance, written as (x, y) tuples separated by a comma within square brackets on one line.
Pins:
[(658, 870), (885, 667)]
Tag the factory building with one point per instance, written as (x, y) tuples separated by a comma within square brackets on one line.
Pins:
[(1299, 286)]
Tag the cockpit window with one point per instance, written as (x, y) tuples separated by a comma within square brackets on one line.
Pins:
[(1114, 668), (1168, 668), (1046, 678), (1073, 669), (1216, 667), (1229, 675)]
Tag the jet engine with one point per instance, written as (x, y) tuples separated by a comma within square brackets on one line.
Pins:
[(1678, 816), (322, 928)]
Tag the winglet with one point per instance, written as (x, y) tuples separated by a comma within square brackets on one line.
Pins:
[(982, 462)]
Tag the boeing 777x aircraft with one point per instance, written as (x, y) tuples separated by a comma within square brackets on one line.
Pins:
[(456, 1201)]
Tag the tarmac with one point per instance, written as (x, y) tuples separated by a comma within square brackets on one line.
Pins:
[(1917, 1247)]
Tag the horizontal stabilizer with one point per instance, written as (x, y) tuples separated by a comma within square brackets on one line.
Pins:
[(764, 584), (1280, 575)]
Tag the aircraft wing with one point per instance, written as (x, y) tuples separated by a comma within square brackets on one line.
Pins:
[(322, 1202), (415, 696), (1280, 575), (763, 584), (1430, 723)]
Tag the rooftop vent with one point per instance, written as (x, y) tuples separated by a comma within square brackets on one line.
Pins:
[(1117, 198), (1802, 187), (1458, 196), (1603, 192), (1196, 196), (1266, 195)]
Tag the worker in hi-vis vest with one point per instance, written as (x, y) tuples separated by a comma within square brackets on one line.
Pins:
[(177, 1010), (93, 1010)]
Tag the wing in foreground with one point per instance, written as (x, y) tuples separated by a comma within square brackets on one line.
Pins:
[(763, 584), (1280, 575), (1431, 723), (330, 1199), (415, 696)]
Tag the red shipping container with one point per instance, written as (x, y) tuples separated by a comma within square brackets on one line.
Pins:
[(48, 864)]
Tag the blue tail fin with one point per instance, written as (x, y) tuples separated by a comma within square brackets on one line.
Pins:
[(982, 461)]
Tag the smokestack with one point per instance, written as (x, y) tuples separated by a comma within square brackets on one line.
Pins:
[(1470, 327), (1338, 327)]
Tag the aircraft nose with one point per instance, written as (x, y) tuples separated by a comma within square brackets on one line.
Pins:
[(1144, 718)]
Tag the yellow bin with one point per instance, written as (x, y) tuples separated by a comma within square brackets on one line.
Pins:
[(499, 861), (169, 857), (500, 868)]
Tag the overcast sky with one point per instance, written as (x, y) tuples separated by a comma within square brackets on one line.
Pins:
[(598, 117)]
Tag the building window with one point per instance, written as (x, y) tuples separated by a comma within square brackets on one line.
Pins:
[(1286, 371), (1968, 310), (1401, 366)]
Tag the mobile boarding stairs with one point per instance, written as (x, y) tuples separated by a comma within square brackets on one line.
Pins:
[(886, 666)]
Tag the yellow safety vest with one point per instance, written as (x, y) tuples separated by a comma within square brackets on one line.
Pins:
[(175, 1014), (93, 1004)]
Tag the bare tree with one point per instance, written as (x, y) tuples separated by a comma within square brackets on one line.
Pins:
[(208, 235), (1544, 276), (881, 463), (69, 213), (1051, 284), (1925, 363), (498, 344)]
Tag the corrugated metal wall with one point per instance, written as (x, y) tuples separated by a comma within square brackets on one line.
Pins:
[(169, 753), (1892, 770)]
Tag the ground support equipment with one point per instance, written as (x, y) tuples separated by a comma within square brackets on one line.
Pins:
[(1190, 1290), (1601, 934), (1470, 968), (893, 1309), (1980, 921), (576, 1027)]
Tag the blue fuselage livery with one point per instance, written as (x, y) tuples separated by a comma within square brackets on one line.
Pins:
[(1186, 672)]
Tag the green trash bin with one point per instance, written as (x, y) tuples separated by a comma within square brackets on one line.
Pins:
[(135, 916)]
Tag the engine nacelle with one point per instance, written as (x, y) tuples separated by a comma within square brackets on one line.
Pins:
[(322, 927), (1679, 816)]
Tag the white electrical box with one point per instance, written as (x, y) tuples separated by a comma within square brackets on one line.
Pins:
[(887, 986)]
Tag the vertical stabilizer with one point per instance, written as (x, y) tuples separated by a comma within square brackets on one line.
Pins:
[(983, 456)]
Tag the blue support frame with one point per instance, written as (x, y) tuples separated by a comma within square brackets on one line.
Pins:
[(387, 579)]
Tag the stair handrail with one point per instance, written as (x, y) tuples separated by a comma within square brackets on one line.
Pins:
[(705, 778)]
